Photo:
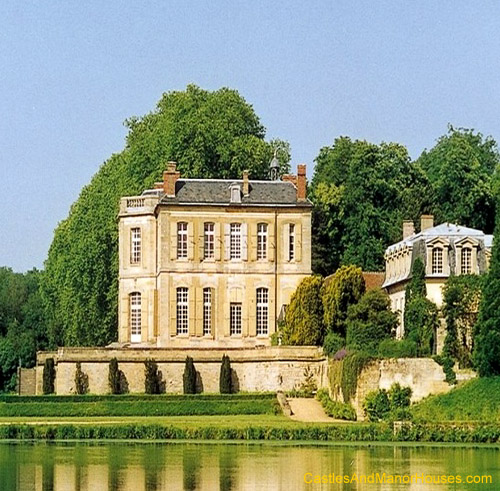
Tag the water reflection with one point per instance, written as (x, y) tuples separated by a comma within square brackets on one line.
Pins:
[(227, 467)]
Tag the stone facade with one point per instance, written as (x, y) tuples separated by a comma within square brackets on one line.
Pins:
[(26, 381), (262, 370), (211, 263)]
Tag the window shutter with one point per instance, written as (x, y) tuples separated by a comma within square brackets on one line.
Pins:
[(173, 312), (191, 312), (199, 312), (271, 246), (190, 241), (244, 242), (298, 242), (252, 313), (201, 241), (173, 241), (286, 242), (253, 241), (227, 241), (218, 241), (213, 312)]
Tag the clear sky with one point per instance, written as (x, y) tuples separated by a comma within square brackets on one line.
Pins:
[(71, 73)]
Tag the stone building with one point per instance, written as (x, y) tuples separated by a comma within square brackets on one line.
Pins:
[(446, 249), (206, 263)]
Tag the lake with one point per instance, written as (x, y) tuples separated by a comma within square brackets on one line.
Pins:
[(225, 466)]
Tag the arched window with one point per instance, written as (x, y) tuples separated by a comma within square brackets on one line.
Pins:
[(262, 241), (437, 260), (135, 317), (262, 311), (466, 261)]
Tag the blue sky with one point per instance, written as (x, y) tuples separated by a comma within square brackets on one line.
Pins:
[(72, 72)]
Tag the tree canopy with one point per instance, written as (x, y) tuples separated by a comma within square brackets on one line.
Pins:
[(209, 134)]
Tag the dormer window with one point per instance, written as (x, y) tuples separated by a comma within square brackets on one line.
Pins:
[(235, 193), (466, 261), (437, 260)]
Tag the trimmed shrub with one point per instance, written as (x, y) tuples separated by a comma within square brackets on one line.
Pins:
[(377, 405), (225, 380), (114, 377), (81, 380), (189, 377), (49, 376), (388, 405), (152, 377), (392, 348), (335, 409)]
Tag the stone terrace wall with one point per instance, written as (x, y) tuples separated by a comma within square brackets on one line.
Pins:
[(256, 370)]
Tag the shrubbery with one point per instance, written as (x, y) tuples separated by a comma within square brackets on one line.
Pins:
[(152, 377), (393, 348), (226, 379), (335, 409), (393, 404), (189, 377), (81, 380), (114, 377), (49, 376)]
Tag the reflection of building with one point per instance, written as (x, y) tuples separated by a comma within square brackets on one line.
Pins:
[(445, 250), (211, 262)]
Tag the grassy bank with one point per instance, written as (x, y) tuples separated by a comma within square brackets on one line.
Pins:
[(116, 406), (476, 400)]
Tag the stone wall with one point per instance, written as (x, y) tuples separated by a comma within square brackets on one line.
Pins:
[(26, 381), (255, 370)]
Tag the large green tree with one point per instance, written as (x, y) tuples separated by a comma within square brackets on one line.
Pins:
[(362, 193), (460, 168), (209, 134)]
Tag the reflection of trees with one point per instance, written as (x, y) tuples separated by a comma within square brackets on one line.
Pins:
[(227, 467), (48, 470), (153, 461), (191, 468)]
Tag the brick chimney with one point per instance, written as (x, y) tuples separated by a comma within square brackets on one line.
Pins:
[(301, 183), (246, 187), (170, 177), (426, 222), (408, 228), (289, 178)]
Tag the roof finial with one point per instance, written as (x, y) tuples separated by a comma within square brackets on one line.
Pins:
[(274, 167)]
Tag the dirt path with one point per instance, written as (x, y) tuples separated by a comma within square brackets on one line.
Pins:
[(309, 410)]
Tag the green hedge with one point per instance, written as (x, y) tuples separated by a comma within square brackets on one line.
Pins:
[(163, 407), (335, 409), (373, 432)]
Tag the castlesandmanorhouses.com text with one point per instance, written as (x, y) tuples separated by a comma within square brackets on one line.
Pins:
[(376, 477)]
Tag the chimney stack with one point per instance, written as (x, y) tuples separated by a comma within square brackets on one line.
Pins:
[(246, 188), (301, 183), (408, 228), (426, 222), (170, 177)]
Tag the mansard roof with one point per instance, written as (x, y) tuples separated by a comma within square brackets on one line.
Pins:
[(218, 192)]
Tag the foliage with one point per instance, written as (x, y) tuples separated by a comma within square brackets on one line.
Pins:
[(152, 381), (210, 134), (362, 192), (22, 327), (304, 315), (392, 404), (309, 386), (421, 323), (475, 400), (393, 348), (189, 377), (486, 355), (333, 342), (416, 286), (335, 409), (370, 321), (81, 380), (49, 376), (461, 297), (460, 168), (350, 368), (341, 290), (114, 377), (226, 376), (446, 361)]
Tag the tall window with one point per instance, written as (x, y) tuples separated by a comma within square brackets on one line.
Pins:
[(235, 241), (291, 242), (207, 311), (234, 318), (466, 263), (437, 260), (182, 311), (208, 241), (135, 317), (135, 246), (262, 310), (262, 241), (182, 240)]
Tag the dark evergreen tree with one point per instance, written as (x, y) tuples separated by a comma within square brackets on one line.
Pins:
[(81, 380), (49, 376), (152, 377), (225, 380), (114, 377), (189, 377)]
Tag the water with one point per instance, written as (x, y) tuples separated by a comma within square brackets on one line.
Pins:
[(223, 466)]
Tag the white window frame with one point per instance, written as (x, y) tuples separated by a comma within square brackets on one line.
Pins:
[(291, 241), (235, 236), (262, 314), (135, 245), (235, 309), (466, 260), (182, 311), (135, 304), (182, 240), (262, 241), (209, 240), (207, 311), (437, 260)]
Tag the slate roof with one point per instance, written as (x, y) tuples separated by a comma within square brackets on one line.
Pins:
[(218, 192)]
